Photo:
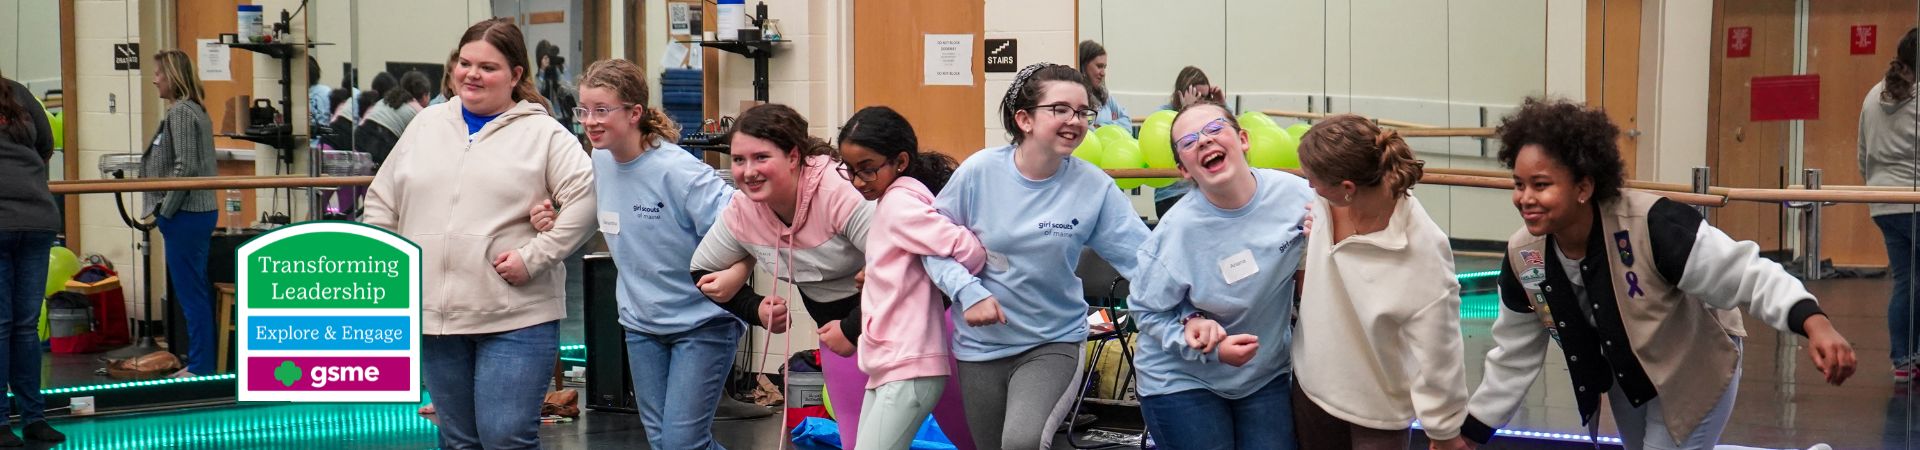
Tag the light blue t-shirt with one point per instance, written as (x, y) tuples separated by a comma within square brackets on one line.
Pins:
[(1033, 231), (1234, 266), (1110, 113), (653, 211)]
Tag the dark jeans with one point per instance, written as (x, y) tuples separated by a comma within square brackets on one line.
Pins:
[(1898, 231), (23, 281), (188, 235), (1201, 419)]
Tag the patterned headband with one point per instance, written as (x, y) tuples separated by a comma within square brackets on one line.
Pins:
[(1019, 81)]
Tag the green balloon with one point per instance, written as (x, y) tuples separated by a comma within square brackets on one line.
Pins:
[(1090, 149), (1297, 130), (1123, 154), (1156, 144), (59, 126), (1253, 119), (61, 266), (1113, 133), (1272, 148)]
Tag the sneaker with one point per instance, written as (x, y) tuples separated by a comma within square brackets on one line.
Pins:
[(1820, 447), (7, 439), (40, 431), (1902, 375)]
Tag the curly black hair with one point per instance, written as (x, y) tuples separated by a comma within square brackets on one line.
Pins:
[(1577, 137)]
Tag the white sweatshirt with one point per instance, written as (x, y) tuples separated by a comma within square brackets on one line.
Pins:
[(1378, 343)]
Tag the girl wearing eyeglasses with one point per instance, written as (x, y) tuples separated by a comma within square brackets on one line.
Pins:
[(1216, 286), (1035, 207), (903, 348), (1379, 334), (656, 203)]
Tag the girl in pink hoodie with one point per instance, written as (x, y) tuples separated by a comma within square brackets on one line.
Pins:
[(903, 348), (800, 221)]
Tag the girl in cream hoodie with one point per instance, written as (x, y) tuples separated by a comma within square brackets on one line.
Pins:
[(458, 184), (1378, 343)]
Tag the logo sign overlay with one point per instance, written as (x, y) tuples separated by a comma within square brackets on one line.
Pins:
[(329, 312)]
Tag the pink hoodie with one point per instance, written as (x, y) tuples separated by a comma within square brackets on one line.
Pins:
[(903, 334)]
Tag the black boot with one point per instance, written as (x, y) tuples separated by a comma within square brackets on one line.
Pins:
[(40, 431), (7, 439)]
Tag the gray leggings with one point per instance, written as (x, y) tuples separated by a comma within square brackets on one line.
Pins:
[(1017, 402)]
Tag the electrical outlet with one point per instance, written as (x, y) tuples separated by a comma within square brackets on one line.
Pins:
[(113, 103)]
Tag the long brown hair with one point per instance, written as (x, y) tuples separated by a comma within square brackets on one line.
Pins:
[(178, 68), (1190, 76), (503, 35), (782, 126), (1348, 147), (1899, 79), (13, 115), (624, 78)]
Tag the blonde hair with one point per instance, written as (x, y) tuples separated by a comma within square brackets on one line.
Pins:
[(626, 81), (178, 69), (1348, 147)]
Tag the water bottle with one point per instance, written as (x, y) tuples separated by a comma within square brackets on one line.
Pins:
[(233, 211)]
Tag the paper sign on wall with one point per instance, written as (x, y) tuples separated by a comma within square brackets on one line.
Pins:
[(215, 65), (681, 17), (949, 60)]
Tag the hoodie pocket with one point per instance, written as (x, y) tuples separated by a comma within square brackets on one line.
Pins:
[(472, 284)]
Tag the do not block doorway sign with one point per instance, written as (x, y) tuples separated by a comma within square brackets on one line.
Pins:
[(329, 312)]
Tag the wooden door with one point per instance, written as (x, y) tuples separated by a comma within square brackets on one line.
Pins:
[(1613, 68), (888, 44), (1848, 235), (1743, 153)]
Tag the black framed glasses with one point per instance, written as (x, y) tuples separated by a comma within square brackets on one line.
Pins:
[(1064, 111), (866, 175)]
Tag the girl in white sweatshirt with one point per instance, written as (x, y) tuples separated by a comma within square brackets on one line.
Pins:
[(1378, 342)]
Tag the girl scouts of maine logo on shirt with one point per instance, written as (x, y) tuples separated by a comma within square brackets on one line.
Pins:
[(1058, 229), (652, 213)]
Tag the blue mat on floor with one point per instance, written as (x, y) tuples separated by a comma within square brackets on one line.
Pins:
[(822, 434)]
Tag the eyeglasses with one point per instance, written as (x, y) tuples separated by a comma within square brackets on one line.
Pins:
[(1192, 140), (866, 175), (600, 113), (1064, 111)]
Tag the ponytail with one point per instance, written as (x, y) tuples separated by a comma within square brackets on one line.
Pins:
[(659, 126), (1399, 169), (1348, 147)]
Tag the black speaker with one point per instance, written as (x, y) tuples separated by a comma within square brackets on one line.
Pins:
[(609, 382)]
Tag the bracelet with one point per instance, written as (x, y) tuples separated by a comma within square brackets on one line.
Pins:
[(1190, 317)]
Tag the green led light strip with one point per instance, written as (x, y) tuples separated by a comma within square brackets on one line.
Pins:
[(1476, 275)]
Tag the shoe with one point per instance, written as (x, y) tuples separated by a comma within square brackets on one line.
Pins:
[(1820, 447), (1902, 375), (7, 439), (40, 431)]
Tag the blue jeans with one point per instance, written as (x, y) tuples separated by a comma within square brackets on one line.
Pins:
[(487, 388), (23, 282), (1898, 230), (188, 234), (1201, 419), (678, 379)]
